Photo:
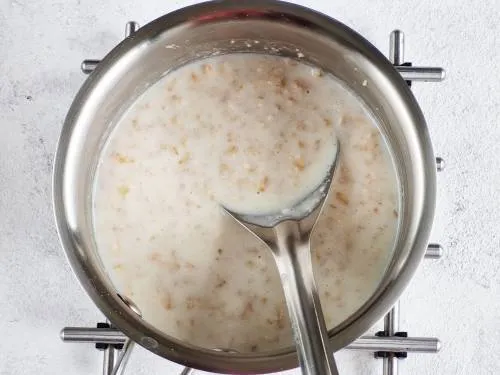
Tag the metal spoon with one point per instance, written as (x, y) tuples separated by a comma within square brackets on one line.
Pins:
[(287, 234)]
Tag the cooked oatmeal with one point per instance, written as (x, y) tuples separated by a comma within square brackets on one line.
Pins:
[(254, 131)]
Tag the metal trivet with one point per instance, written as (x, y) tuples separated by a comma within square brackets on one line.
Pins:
[(391, 344)]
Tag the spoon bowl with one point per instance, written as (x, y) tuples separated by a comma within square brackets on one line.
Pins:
[(287, 233)]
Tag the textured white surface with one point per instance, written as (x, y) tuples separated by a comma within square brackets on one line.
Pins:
[(456, 299)]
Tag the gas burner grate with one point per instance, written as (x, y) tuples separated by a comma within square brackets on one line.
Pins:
[(390, 345)]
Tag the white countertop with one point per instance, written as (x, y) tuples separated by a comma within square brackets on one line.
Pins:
[(456, 299)]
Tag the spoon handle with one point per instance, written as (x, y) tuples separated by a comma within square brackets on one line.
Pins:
[(293, 258)]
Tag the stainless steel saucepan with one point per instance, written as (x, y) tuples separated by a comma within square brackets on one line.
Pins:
[(226, 27)]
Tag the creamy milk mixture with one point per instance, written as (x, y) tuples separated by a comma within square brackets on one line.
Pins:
[(256, 132)]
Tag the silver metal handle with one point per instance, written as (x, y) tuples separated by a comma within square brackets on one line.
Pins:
[(411, 73), (397, 344), (93, 335), (368, 343), (421, 73), (293, 258)]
